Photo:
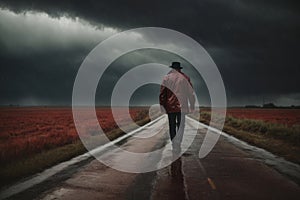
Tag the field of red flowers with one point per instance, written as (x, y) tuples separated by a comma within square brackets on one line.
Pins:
[(288, 117), (30, 130)]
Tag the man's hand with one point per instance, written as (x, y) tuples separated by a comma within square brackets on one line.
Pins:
[(162, 109)]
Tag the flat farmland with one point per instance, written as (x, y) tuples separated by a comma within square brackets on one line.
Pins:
[(276, 130), (35, 138), (26, 131), (289, 117)]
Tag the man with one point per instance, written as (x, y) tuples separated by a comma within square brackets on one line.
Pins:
[(175, 93)]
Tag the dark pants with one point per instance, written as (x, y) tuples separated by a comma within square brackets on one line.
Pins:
[(175, 120)]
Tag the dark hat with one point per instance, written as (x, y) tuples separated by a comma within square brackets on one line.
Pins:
[(176, 65)]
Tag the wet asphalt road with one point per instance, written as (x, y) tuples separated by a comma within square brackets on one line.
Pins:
[(228, 172)]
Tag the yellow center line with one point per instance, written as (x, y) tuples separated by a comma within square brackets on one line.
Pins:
[(211, 183)]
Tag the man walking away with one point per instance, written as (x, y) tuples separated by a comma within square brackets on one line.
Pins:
[(175, 93)]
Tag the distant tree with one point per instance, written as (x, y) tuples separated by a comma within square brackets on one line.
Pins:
[(295, 106), (13, 105), (252, 106), (269, 105)]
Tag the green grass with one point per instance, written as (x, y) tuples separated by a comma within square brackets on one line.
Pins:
[(25, 167), (279, 139)]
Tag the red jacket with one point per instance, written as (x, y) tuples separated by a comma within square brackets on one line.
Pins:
[(176, 91)]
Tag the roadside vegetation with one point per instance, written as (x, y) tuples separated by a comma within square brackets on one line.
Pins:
[(25, 160), (280, 139)]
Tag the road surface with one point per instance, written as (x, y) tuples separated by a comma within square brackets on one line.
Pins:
[(228, 172)]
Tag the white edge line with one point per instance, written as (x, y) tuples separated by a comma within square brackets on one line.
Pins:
[(42, 176)]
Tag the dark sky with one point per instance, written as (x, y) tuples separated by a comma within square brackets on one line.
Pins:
[(255, 44)]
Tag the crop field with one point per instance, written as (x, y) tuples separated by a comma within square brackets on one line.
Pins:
[(31, 130)]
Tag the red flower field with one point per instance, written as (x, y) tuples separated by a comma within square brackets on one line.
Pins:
[(30, 130)]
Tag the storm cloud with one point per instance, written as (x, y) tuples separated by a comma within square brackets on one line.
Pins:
[(255, 44)]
